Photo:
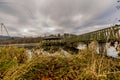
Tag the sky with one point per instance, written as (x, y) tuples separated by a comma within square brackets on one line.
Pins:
[(45, 17)]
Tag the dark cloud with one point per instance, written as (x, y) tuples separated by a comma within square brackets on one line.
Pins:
[(37, 17)]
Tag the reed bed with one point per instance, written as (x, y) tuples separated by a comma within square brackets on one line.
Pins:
[(86, 65)]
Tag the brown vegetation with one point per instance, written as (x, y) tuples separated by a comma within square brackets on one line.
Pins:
[(85, 65)]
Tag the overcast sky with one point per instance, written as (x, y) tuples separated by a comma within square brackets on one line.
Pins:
[(39, 17)]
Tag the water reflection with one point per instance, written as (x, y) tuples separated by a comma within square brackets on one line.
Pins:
[(112, 49), (29, 53), (81, 46), (100, 48)]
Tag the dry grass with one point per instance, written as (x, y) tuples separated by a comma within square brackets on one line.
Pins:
[(10, 58), (87, 65)]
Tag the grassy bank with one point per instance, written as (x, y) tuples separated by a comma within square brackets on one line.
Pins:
[(14, 65)]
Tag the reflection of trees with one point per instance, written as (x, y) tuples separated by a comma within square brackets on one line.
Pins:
[(20, 40)]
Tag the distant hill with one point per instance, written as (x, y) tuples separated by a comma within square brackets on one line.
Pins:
[(7, 37), (4, 37)]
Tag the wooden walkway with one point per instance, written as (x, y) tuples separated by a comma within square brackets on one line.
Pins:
[(111, 33), (102, 36)]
